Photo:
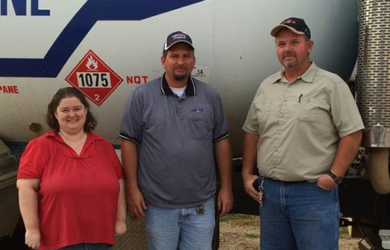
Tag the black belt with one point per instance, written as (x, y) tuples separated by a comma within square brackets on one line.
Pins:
[(286, 182)]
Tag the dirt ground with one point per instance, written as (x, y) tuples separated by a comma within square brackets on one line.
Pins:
[(237, 232), (241, 232)]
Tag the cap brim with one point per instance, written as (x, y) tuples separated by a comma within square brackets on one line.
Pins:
[(275, 31), (176, 42)]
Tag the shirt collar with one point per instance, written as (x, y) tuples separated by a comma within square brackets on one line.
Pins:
[(308, 76), (190, 90), (91, 136)]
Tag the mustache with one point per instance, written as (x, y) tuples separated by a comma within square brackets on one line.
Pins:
[(288, 54)]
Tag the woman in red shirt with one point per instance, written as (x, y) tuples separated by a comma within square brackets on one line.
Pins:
[(71, 189)]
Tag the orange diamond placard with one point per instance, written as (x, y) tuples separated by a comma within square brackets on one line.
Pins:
[(94, 78)]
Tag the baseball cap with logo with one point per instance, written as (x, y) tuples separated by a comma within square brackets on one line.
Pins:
[(296, 25), (177, 37)]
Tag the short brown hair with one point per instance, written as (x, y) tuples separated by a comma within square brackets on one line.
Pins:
[(51, 120)]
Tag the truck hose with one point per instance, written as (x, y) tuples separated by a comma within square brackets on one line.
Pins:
[(379, 170)]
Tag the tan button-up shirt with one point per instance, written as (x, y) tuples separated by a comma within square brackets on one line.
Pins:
[(301, 123)]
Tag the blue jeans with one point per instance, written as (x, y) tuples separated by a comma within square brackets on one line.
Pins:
[(89, 246), (168, 228), (299, 216)]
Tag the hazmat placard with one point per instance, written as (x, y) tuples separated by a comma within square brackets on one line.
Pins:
[(94, 78)]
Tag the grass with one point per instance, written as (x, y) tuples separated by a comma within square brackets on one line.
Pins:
[(253, 220), (240, 219), (252, 236), (344, 233)]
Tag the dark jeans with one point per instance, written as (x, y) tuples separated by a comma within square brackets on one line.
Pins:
[(299, 216), (89, 246)]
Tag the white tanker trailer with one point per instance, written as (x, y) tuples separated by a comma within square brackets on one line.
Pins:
[(107, 48)]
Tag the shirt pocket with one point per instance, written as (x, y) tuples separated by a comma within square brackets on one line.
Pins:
[(308, 110), (262, 110), (200, 128)]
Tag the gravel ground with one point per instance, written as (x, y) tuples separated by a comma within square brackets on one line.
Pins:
[(241, 232)]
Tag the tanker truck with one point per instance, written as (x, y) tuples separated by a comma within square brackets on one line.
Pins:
[(107, 48)]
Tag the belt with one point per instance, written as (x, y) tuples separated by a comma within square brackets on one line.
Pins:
[(286, 182)]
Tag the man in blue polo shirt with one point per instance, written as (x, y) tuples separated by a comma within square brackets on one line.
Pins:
[(172, 127)]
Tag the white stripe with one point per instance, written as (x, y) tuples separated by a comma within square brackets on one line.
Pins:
[(161, 85), (193, 85), (129, 139), (220, 139)]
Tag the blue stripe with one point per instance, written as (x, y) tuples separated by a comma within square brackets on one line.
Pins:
[(76, 30)]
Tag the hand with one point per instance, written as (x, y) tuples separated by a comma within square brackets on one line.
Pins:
[(326, 182), (136, 203), (225, 200), (33, 238), (248, 185), (120, 228)]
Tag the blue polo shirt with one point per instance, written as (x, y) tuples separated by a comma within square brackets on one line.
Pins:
[(175, 138)]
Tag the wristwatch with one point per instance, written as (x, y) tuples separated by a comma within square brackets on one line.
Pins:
[(336, 178)]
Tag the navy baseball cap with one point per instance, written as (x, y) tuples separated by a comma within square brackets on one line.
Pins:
[(177, 37), (296, 25)]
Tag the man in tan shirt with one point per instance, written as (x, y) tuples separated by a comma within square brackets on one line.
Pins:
[(304, 129)]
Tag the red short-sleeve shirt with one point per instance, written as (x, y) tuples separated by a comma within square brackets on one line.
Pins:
[(78, 194)]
